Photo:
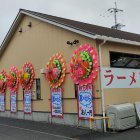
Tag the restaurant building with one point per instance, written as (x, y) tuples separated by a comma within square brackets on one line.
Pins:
[(35, 37)]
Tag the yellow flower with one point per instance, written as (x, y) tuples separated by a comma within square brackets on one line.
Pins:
[(26, 76)]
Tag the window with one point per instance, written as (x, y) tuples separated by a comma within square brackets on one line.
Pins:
[(76, 90), (36, 90), (124, 60)]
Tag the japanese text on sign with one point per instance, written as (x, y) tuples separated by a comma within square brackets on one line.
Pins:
[(85, 105), (13, 102), (56, 102), (2, 102), (120, 78), (27, 102)]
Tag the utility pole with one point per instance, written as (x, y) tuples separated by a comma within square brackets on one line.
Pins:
[(115, 10)]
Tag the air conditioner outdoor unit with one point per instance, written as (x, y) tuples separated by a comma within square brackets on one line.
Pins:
[(122, 116)]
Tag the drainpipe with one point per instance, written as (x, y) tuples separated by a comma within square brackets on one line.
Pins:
[(101, 88)]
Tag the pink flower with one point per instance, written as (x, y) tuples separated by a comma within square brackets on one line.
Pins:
[(80, 72), (55, 73), (1, 83)]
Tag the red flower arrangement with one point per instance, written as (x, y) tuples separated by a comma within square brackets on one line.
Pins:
[(84, 65), (3, 81), (27, 76), (13, 79), (56, 70)]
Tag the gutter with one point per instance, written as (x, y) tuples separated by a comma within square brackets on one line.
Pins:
[(101, 87), (117, 40)]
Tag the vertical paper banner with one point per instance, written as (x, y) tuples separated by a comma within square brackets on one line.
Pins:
[(27, 102), (2, 102), (85, 105), (56, 103), (13, 102)]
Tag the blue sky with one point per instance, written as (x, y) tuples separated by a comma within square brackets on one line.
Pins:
[(89, 11)]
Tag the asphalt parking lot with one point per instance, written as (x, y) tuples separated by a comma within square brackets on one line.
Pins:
[(14, 129)]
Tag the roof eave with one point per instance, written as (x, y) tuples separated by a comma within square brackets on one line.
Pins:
[(11, 31), (67, 27), (117, 40), (85, 33)]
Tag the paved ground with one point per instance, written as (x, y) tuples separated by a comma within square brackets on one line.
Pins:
[(13, 129)]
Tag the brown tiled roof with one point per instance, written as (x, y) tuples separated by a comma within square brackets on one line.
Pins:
[(89, 28)]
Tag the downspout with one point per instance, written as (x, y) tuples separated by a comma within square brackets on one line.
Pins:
[(101, 88)]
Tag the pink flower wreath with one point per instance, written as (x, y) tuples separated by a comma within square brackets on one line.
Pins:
[(84, 65)]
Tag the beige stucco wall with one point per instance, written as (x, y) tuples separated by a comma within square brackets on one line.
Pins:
[(37, 44), (122, 95)]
